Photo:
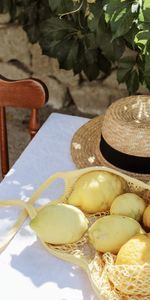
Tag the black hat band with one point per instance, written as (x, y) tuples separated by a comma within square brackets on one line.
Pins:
[(131, 163)]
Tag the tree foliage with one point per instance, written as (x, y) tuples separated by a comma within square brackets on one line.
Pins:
[(90, 35)]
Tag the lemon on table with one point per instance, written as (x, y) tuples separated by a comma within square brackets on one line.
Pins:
[(109, 233), (128, 204), (96, 190), (135, 251), (146, 217), (59, 224)]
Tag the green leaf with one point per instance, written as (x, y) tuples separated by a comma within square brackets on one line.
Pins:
[(104, 64), (144, 15), (90, 67), (147, 60), (56, 29), (129, 37), (147, 82), (113, 50), (90, 40), (141, 39), (113, 5), (91, 71), (140, 64), (59, 39), (132, 82), (67, 54), (71, 59), (122, 20), (96, 13), (126, 64), (122, 74)]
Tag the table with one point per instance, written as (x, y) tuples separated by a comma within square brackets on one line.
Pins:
[(27, 270)]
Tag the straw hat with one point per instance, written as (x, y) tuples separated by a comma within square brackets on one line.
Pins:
[(120, 139)]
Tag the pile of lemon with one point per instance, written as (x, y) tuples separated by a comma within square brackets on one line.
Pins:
[(121, 232)]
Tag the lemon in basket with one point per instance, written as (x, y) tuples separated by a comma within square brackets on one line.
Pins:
[(109, 233), (96, 190), (135, 251), (59, 224), (128, 204), (146, 217), (130, 274)]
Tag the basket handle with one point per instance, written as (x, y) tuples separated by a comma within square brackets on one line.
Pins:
[(28, 209)]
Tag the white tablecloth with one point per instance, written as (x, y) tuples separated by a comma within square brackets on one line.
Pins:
[(27, 270)]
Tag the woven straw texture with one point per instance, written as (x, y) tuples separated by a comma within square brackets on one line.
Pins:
[(125, 126), (110, 281)]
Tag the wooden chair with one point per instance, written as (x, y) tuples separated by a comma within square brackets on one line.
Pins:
[(26, 93)]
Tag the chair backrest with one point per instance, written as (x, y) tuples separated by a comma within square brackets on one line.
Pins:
[(26, 93)]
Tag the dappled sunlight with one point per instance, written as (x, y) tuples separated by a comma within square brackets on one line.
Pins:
[(42, 201), (14, 182), (9, 214), (23, 196), (77, 146), (28, 187), (91, 159), (24, 190)]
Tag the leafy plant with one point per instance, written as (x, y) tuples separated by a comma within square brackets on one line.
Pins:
[(90, 35)]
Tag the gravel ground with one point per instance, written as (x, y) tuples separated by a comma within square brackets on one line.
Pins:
[(17, 126)]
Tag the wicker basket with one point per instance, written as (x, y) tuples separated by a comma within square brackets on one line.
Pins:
[(110, 281)]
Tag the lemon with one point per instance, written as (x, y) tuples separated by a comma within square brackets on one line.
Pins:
[(146, 217), (135, 251), (59, 224), (109, 233), (96, 190), (128, 204)]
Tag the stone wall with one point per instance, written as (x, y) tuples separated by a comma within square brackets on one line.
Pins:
[(20, 59)]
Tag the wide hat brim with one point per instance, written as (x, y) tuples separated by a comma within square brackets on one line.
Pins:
[(85, 150)]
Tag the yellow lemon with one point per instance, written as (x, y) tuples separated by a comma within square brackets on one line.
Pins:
[(109, 233), (59, 224), (135, 251), (146, 217), (96, 190), (128, 204)]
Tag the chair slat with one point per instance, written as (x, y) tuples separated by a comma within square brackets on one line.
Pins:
[(34, 124), (3, 142)]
